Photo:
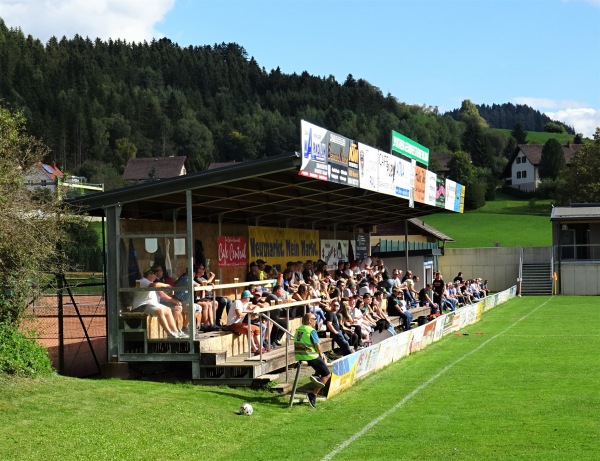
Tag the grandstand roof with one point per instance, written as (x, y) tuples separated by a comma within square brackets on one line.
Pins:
[(264, 192)]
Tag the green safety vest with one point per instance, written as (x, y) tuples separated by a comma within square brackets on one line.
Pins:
[(304, 349)]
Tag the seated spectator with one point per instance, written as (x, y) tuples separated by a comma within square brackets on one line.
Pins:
[(253, 274), (199, 308), (361, 317), (333, 326), (397, 306), (425, 295), (147, 301), (208, 296), (350, 330), (279, 316), (378, 305), (288, 283), (235, 321), (484, 287)]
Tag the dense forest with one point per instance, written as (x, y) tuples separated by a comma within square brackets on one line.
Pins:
[(507, 115), (97, 104)]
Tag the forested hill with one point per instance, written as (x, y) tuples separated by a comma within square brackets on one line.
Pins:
[(96, 104), (507, 115)]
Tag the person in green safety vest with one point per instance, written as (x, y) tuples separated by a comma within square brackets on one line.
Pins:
[(307, 349)]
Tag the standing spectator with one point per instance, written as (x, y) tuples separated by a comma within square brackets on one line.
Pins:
[(307, 348)]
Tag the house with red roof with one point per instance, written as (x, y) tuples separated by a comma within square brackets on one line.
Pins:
[(522, 169), (42, 175)]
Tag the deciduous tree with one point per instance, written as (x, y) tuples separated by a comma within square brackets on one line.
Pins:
[(582, 177)]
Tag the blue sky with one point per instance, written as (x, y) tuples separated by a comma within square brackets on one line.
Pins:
[(544, 53)]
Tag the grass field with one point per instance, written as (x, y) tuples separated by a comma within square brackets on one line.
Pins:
[(525, 387), (505, 220)]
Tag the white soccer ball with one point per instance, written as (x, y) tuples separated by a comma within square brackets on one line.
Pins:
[(246, 409)]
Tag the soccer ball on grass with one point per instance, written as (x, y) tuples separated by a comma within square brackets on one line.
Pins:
[(246, 409)]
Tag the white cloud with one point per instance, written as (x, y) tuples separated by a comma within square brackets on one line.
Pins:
[(130, 20), (584, 119)]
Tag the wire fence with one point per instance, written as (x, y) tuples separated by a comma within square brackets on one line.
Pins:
[(70, 323)]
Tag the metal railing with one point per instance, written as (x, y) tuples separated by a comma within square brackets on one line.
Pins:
[(581, 252)]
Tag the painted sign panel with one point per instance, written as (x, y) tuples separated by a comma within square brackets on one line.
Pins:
[(410, 148), (232, 251), (278, 246)]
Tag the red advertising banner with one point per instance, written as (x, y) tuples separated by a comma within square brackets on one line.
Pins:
[(233, 251)]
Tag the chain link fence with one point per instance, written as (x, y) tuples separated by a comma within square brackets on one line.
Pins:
[(69, 320)]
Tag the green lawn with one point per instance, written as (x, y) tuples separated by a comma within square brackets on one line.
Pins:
[(540, 137), (505, 220), (523, 384)]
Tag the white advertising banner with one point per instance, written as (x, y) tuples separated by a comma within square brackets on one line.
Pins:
[(430, 187), (450, 194), (368, 167)]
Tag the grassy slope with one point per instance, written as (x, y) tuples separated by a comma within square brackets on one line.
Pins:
[(525, 388), (505, 220)]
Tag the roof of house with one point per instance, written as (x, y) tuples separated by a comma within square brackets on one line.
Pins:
[(216, 165), (533, 152), (50, 170), (576, 212), (139, 169)]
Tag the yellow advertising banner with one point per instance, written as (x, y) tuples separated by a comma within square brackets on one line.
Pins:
[(277, 246)]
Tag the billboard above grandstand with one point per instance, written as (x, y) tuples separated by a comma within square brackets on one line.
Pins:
[(328, 156), (411, 149)]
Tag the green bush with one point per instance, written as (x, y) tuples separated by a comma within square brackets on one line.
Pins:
[(20, 355)]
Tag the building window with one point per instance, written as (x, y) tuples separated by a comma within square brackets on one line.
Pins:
[(518, 160), (524, 175), (518, 175), (44, 183), (524, 160)]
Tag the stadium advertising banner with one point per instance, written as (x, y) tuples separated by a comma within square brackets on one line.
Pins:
[(368, 167), (450, 194), (385, 174), (430, 187), (232, 251), (420, 175), (278, 246), (404, 178), (347, 370), (334, 251), (328, 156), (440, 192), (314, 151), (410, 148), (459, 198)]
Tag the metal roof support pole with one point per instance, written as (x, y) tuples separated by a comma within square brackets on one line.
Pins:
[(220, 232), (406, 244), (112, 270), (335, 231), (191, 292)]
